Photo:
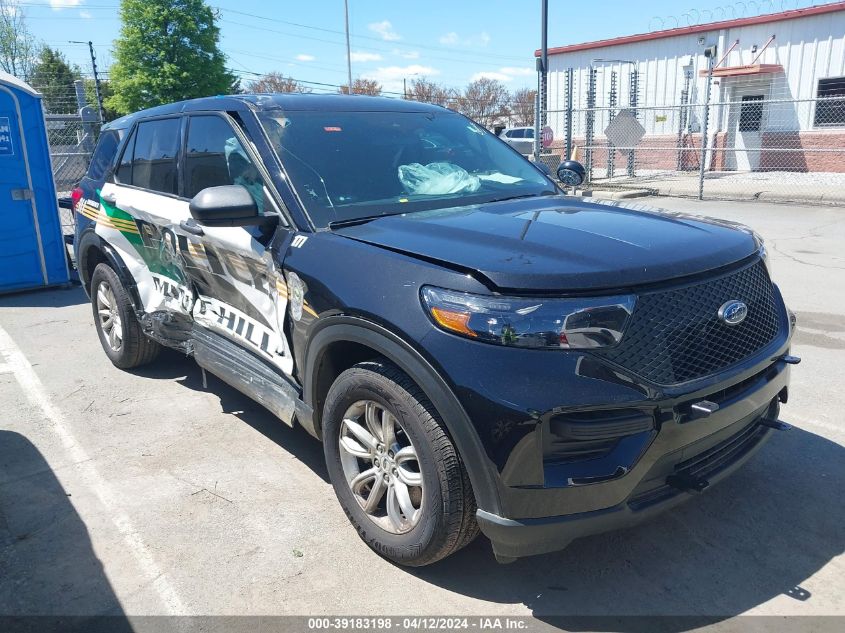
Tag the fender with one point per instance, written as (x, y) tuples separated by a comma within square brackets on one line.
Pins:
[(88, 240), (357, 330)]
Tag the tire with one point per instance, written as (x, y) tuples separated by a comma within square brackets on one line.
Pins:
[(441, 517), (109, 299)]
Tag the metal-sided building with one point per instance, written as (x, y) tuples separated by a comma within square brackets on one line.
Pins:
[(776, 99)]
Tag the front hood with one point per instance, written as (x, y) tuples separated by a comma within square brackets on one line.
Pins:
[(559, 244)]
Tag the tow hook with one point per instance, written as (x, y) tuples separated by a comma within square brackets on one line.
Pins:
[(790, 360), (775, 424), (686, 482)]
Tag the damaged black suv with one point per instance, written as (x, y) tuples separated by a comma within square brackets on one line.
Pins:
[(475, 349)]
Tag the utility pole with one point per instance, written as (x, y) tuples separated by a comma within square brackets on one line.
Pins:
[(348, 48), (97, 92), (542, 76)]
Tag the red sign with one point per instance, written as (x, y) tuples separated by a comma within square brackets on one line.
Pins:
[(548, 136)]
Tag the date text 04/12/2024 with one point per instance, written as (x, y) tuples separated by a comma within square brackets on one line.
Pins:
[(481, 623)]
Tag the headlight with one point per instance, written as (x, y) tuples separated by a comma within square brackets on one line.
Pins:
[(762, 251), (530, 322)]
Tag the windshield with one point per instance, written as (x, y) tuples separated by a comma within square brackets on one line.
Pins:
[(353, 165)]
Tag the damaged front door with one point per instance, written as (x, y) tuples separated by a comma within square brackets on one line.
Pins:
[(241, 293)]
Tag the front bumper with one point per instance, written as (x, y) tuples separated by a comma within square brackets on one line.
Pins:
[(662, 478)]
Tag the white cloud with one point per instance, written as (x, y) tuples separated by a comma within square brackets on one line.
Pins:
[(491, 75), (405, 54), (390, 77), (58, 5), (365, 57), (305, 58), (85, 14), (506, 73), (385, 30), (453, 39), (450, 39)]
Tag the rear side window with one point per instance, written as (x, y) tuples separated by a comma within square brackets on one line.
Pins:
[(154, 158), (104, 154)]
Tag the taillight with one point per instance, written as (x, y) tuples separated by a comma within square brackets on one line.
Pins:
[(75, 197)]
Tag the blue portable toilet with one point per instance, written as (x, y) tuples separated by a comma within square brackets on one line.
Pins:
[(32, 250)]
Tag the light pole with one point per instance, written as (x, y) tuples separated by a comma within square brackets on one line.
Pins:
[(348, 49), (97, 94)]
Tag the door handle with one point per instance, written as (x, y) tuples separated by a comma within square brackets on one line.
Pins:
[(189, 226), (109, 197)]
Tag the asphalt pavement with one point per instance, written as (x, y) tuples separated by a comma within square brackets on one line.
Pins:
[(142, 493)]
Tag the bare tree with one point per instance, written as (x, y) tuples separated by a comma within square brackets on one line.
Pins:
[(484, 101), (361, 86), (18, 47), (276, 82), (522, 106), (430, 92)]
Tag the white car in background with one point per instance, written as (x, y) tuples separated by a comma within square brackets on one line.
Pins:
[(520, 138)]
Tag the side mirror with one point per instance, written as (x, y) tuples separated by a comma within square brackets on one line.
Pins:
[(571, 173), (228, 205)]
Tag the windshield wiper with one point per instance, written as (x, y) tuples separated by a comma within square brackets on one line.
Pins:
[(362, 220), (517, 197)]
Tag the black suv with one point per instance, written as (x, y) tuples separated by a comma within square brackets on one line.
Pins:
[(475, 349)]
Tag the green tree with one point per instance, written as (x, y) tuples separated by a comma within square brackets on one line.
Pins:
[(167, 51), (18, 47), (53, 77), (106, 92)]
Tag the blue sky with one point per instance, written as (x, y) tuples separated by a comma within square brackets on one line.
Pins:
[(449, 41)]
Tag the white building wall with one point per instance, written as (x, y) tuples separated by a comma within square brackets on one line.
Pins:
[(809, 48)]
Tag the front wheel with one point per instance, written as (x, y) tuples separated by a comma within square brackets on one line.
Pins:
[(394, 469), (121, 336)]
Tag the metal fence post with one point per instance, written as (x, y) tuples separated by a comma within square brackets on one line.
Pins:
[(591, 120), (704, 124), (611, 101), (633, 101), (683, 118), (568, 131)]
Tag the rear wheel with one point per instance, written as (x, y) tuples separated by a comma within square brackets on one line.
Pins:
[(120, 334), (394, 469)]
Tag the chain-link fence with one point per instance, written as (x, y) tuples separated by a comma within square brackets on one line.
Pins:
[(727, 132), (73, 124)]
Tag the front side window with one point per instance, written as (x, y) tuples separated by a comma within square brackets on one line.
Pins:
[(154, 159), (351, 165), (216, 157), (830, 107)]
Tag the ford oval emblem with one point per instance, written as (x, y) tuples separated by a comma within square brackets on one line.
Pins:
[(733, 312)]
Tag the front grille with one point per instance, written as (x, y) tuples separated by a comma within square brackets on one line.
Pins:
[(676, 335)]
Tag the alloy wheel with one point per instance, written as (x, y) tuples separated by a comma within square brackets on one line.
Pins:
[(109, 316), (381, 466)]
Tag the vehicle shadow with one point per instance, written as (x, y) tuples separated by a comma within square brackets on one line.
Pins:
[(172, 365), (48, 567), (756, 536), (45, 298)]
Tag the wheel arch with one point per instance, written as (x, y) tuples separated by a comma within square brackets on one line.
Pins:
[(365, 339), (94, 250)]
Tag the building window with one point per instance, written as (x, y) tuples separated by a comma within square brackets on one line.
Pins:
[(751, 113), (830, 107)]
